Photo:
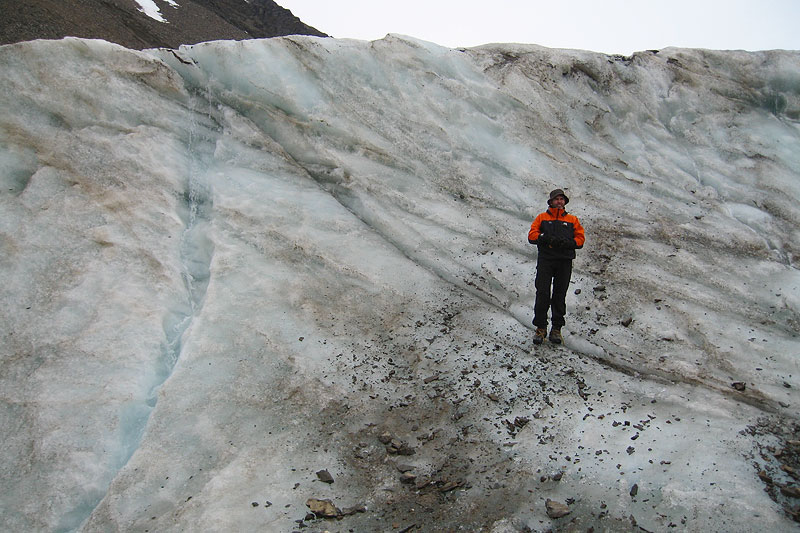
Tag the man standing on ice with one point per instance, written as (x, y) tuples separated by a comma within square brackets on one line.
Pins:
[(557, 234)]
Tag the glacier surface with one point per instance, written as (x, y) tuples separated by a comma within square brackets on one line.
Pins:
[(228, 267)]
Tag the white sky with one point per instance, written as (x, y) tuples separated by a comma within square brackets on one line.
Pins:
[(610, 26)]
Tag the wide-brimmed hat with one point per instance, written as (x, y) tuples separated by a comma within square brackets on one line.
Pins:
[(558, 192)]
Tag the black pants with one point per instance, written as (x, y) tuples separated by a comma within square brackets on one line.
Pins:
[(555, 273)]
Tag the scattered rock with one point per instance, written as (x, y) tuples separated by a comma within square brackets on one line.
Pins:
[(518, 423), (347, 511), (421, 484), (738, 385), (556, 509), (627, 321), (792, 492), (325, 476), (408, 478), (402, 468), (634, 490), (385, 438), (451, 485), (323, 508), (396, 447)]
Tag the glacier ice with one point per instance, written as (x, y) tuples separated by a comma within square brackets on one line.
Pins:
[(229, 266)]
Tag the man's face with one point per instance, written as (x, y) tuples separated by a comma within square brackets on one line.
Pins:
[(558, 202)]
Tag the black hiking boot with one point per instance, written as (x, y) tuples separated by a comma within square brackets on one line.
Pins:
[(555, 336), (539, 336)]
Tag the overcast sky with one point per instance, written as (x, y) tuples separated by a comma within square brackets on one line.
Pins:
[(610, 26)]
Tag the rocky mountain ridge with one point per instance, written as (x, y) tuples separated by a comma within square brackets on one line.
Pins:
[(123, 22)]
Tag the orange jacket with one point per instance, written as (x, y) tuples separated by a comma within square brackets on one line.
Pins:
[(556, 224)]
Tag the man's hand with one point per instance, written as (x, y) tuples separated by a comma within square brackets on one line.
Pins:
[(564, 242)]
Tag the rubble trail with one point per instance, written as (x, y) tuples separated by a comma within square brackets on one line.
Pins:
[(438, 451)]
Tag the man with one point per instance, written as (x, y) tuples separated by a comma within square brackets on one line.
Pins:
[(557, 234)]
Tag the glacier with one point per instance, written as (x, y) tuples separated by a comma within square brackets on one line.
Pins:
[(230, 266)]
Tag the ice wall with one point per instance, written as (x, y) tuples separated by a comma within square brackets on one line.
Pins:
[(227, 267)]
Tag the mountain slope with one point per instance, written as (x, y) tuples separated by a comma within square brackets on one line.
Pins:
[(122, 22)]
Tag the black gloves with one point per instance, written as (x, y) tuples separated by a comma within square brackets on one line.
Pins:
[(564, 242), (556, 242)]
